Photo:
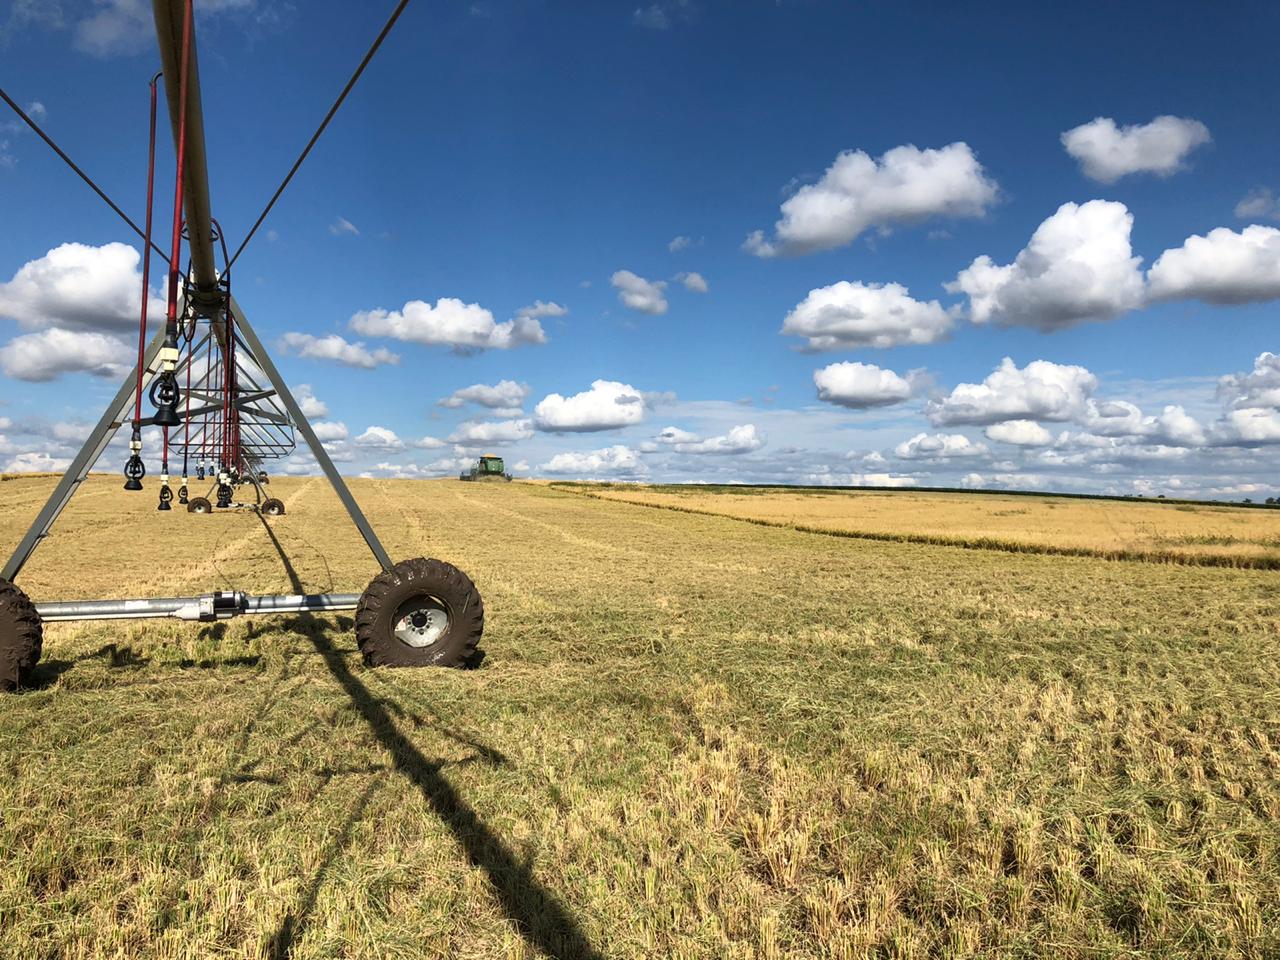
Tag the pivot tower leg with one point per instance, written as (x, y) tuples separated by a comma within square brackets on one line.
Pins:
[(303, 426), (97, 441)]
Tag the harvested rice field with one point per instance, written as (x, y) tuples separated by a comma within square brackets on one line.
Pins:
[(1180, 532), (690, 736)]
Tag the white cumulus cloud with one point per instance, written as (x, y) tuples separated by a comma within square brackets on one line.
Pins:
[(1042, 390), (506, 396), (80, 287), (847, 315), (939, 446), (336, 348), (606, 406), (1223, 267), (674, 435), (1252, 399), (1259, 202), (617, 460), (480, 433), (859, 386), (380, 438), (905, 185), (881, 480), (741, 439), (1249, 426), (36, 463), (1107, 152), (1078, 266), (539, 309), (466, 327), (1258, 388), (311, 405), (47, 355), (1173, 426), (1022, 433), (693, 282), (646, 296), (1177, 428), (329, 430)]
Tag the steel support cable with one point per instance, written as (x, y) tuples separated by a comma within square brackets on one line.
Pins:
[(22, 115), (391, 21), (186, 418)]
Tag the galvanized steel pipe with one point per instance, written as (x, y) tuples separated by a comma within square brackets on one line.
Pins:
[(205, 608), (168, 16)]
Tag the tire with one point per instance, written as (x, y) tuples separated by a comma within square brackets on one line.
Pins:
[(21, 637), (427, 588), (199, 505), (272, 507)]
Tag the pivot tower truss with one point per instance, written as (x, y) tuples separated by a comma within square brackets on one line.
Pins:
[(223, 412)]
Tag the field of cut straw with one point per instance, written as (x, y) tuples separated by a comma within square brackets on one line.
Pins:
[(690, 737), (1199, 533)]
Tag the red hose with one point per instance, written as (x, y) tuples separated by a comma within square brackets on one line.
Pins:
[(208, 435), (186, 425)]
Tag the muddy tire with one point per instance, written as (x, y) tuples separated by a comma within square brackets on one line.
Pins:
[(420, 613), (272, 507), (21, 637), (199, 505)]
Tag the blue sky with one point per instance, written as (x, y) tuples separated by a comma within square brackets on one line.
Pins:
[(503, 154)]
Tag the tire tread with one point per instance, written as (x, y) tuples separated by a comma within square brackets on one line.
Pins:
[(440, 578), (21, 636)]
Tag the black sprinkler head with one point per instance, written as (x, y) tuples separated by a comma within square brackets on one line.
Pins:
[(134, 471), (164, 395), (167, 416)]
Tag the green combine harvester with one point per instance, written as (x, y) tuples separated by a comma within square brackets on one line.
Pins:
[(488, 467)]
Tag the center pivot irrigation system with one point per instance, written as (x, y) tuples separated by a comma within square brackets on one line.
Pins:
[(223, 409)]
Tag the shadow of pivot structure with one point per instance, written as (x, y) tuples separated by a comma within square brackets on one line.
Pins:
[(222, 411)]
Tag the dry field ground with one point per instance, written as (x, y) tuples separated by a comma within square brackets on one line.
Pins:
[(691, 737), (1209, 534)]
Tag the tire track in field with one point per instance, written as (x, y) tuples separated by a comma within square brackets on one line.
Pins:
[(563, 534), (408, 514), (590, 544), (223, 553), (533, 600), (19, 514)]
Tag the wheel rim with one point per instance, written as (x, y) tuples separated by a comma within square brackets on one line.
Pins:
[(421, 622)]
